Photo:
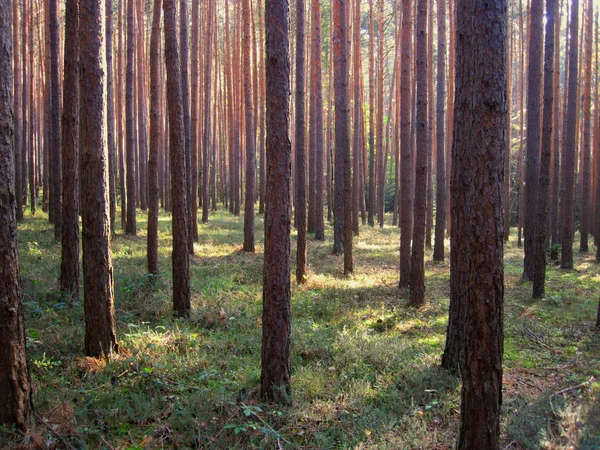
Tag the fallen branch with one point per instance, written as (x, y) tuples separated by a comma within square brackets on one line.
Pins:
[(54, 432)]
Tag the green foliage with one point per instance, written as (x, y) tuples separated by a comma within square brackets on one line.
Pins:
[(365, 367)]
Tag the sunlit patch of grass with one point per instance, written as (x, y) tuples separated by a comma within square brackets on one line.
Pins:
[(365, 367)]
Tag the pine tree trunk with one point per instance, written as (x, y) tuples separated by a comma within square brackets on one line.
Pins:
[(532, 166), (405, 145), (15, 384), (539, 249), (184, 46), (112, 149), (300, 129), (275, 356), (569, 146), (440, 175), (69, 267), (155, 88), (130, 227), (100, 331), (250, 132), (181, 263), (477, 272), (55, 132), (316, 80)]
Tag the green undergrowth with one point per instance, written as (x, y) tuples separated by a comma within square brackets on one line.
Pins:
[(365, 367)]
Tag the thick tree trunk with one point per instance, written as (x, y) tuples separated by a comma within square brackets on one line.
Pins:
[(100, 332), (155, 88), (275, 356), (69, 267), (417, 263), (569, 146), (16, 407), (181, 262), (477, 272)]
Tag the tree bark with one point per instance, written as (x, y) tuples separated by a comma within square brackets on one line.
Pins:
[(69, 267), (541, 240), (532, 166), (100, 331), (181, 262), (569, 145), (440, 175), (250, 132), (417, 263), (55, 131), (112, 146), (275, 356), (155, 88), (405, 145), (16, 407), (130, 227), (477, 272), (301, 224), (316, 80), (184, 52)]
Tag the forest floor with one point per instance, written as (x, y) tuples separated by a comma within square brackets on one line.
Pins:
[(365, 367)]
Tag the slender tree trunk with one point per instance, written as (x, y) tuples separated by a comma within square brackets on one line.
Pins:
[(300, 130), (100, 331), (276, 318), (417, 263), (372, 172), (195, 126), (181, 262), (477, 272), (316, 78), (569, 146), (122, 142), (15, 383), (112, 148), (521, 190), (587, 134), (532, 166), (206, 130), (130, 227), (184, 46), (155, 88), (405, 146), (250, 132), (440, 175), (380, 172), (539, 264), (69, 267), (18, 106), (55, 132)]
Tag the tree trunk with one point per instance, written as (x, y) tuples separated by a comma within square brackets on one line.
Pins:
[(585, 163), (130, 227), (316, 81), (250, 132), (440, 175), (181, 262), (195, 126), (569, 145), (380, 172), (15, 384), (539, 249), (275, 356), (532, 166), (155, 88), (55, 132), (300, 150), (206, 130), (185, 97), (100, 332), (69, 267), (405, 145), (112, 148), (477, 272), (417, 263)]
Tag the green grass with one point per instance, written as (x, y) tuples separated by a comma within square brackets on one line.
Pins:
[(365, 366)]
